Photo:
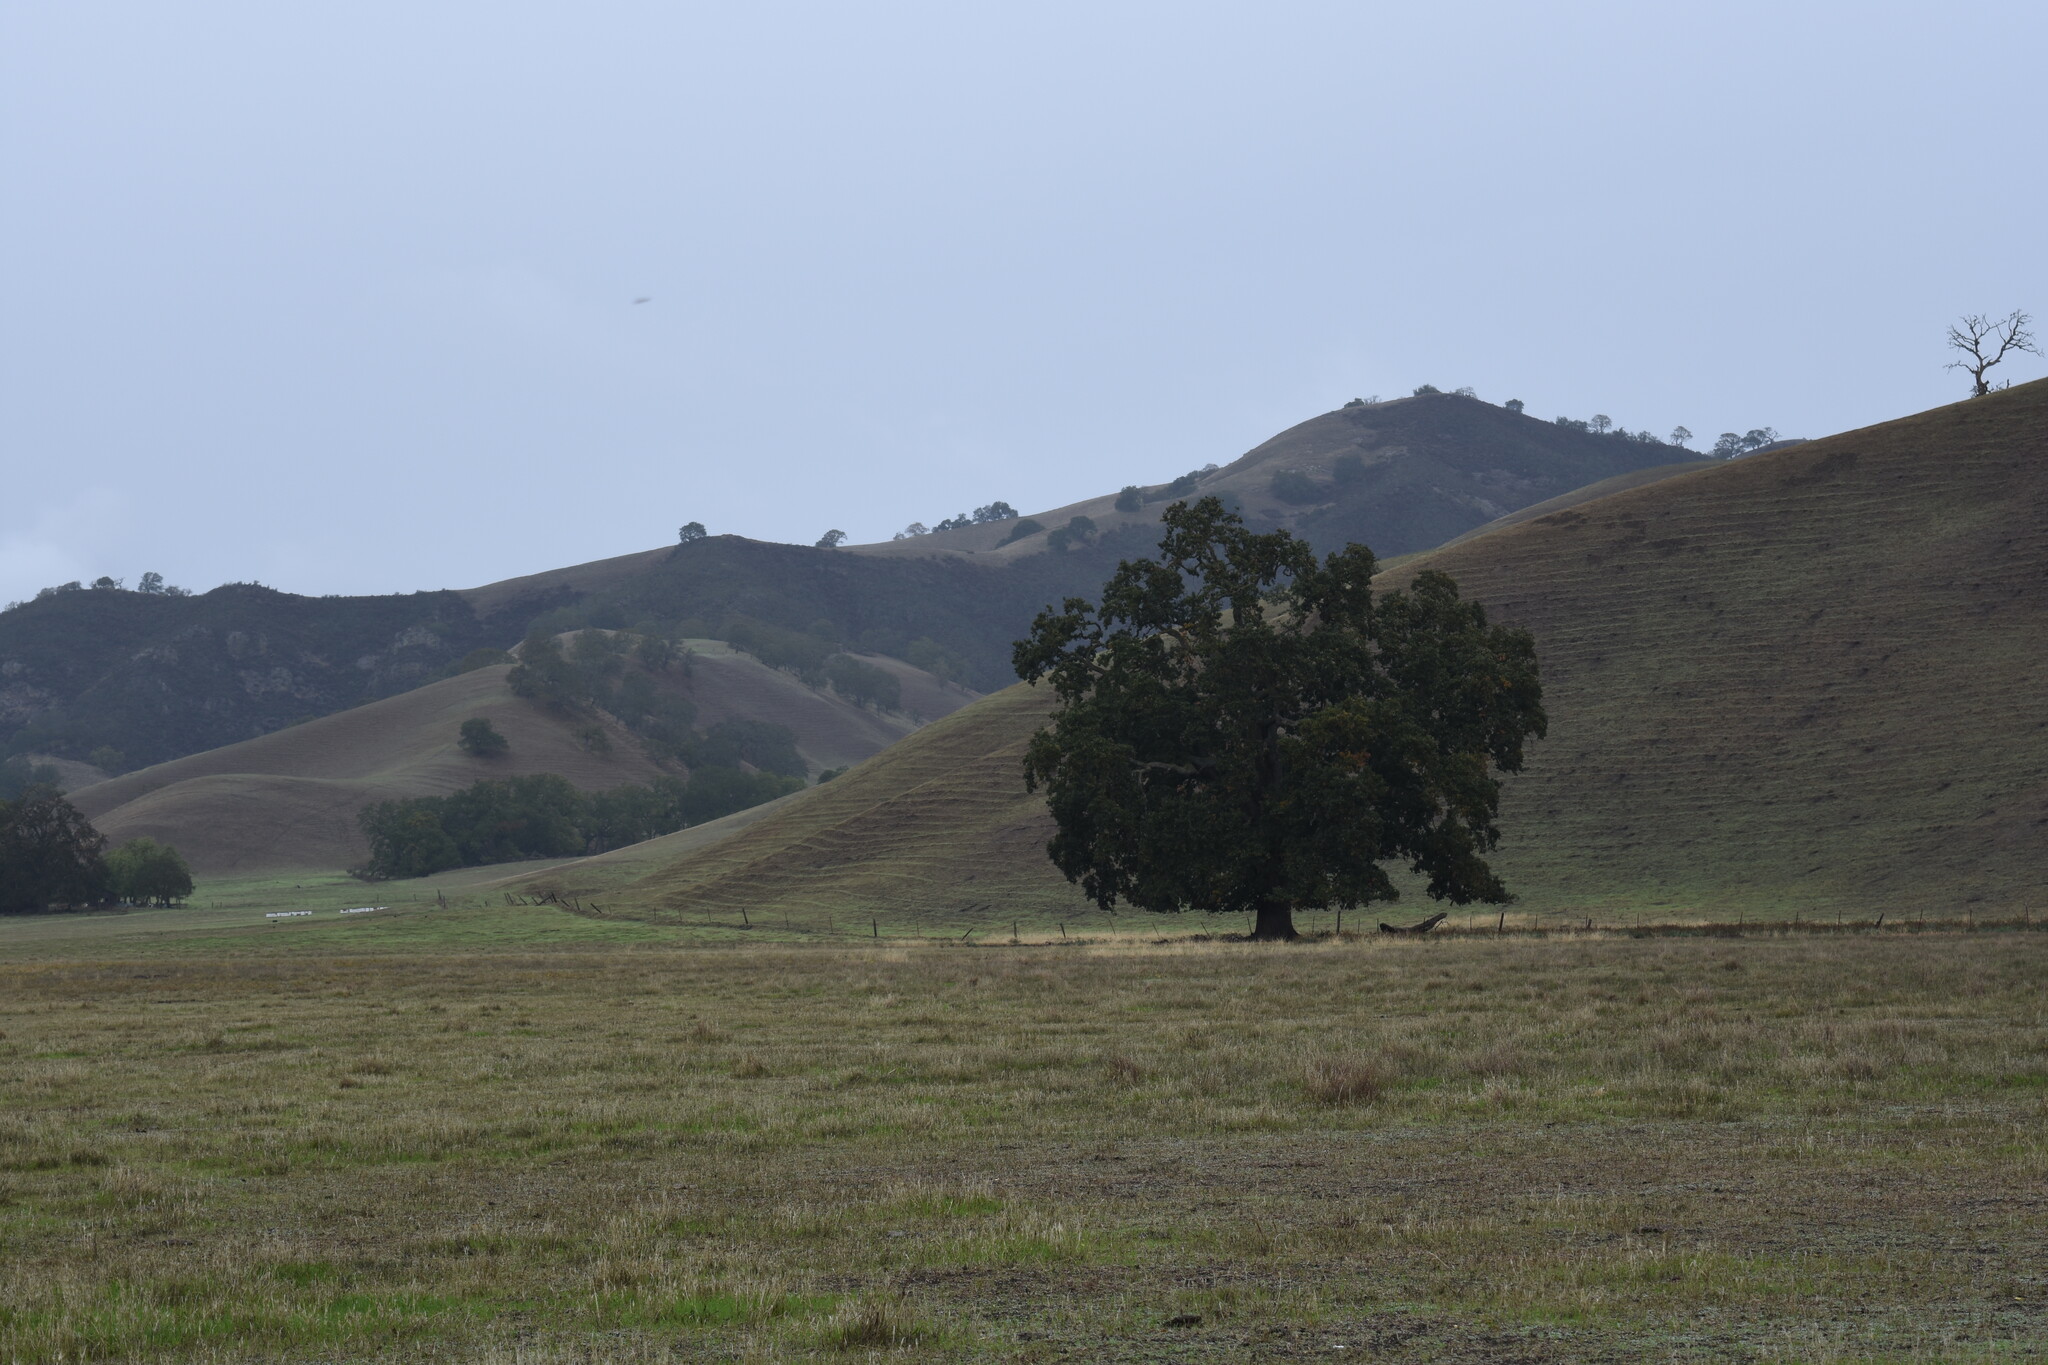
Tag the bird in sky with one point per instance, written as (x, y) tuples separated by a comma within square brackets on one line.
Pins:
[(645, 300)]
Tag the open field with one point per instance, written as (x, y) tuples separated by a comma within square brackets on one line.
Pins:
[(1597, 1148)]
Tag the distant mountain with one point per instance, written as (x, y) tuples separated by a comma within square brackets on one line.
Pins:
[(1804, 680), (1401, 476), (157, 677)]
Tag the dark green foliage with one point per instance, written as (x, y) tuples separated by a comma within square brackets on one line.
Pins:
[(1181, 486), (158, 675), (1246, 729), (1348, 469), (1513, 405), (108, 760), (658, 653), (1026, 527), (793, 651), (713, 792), (830, 540), (18, 774), (1077, 531), (863, 684), (493, 821), (762, 743), (1291, 485), (543, 675), (542, 816), (935, 659), (594, 740), (1130, 499), (145, 872), (49, 854), (1425, 390), (691, 531), (829, 774), (480, 739)]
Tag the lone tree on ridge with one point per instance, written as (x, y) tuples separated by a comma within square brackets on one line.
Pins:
[(1244, 729), (1985, 341)]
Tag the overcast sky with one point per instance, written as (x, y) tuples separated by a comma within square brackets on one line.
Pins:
[(342, 297)]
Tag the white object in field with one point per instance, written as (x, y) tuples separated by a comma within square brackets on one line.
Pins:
[(363, 910), (286, 914)]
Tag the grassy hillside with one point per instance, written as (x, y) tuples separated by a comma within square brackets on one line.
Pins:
[(289, 800), (159, 677), (1807, 680), (1620, 483)]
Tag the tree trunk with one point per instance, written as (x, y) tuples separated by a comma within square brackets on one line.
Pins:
[(1276, 921)]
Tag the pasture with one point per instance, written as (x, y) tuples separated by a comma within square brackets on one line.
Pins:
[(1785, 1148)]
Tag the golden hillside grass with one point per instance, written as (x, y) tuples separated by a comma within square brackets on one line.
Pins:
[(1776, 1150), (1802, 682)]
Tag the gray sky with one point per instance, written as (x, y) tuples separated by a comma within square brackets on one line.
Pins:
[(340, 297)]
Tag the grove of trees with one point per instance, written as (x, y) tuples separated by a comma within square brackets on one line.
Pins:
[(541, 815), (1243, 728), (145, 872), (50, 855)]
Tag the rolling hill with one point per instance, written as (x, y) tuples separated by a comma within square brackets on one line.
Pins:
[(288, 800), (157, 677), (1401, 476), (1811, 680)]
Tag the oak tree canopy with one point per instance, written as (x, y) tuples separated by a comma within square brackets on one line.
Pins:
[(1246, 729)]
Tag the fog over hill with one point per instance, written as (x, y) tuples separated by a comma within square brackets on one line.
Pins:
[(156, 677), (1808, 680)]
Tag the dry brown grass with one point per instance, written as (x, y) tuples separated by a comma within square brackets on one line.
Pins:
[(1791, 1149)]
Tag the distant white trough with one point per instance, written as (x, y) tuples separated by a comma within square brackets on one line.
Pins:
[(365, 910), (286, 914)]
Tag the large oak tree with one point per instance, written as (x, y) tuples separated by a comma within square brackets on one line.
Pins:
[(1246, 729)]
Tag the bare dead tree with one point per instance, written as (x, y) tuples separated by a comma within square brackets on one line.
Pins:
[(1985, 341)]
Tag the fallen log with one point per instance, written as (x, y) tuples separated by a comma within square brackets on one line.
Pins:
[(1424, 927)]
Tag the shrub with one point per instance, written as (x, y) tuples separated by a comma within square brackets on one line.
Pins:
[(1424, 390), (1026, 527), (1348, 469), (1291, 485), (480, 739), (1077, 531), (1131, 499), (863, 684)]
